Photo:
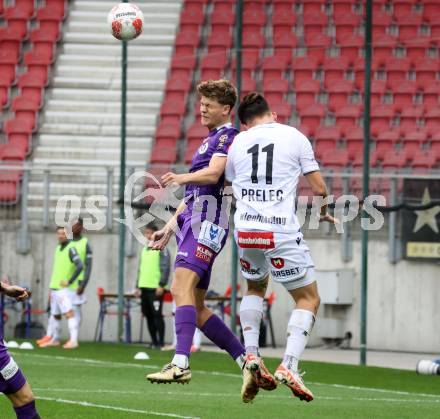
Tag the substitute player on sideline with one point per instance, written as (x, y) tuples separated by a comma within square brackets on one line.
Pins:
[(203, 225), (67, 267), (264, 165), (13, 383)]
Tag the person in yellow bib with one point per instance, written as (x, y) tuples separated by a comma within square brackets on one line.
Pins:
[(82, 246), (154, 270), (67, 267)]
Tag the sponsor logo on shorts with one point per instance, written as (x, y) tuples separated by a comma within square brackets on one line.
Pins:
[(256, 240), (277, 263), (203, 253), (211, 235), (246, 267), (285, 272), (10, 369)]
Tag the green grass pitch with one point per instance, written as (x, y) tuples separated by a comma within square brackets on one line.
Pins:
[(101, 381)]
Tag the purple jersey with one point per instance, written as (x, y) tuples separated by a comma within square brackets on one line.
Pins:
[(217, 143)]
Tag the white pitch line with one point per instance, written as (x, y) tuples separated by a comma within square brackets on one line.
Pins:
[(229, 395), (376, 390), (220, 374), (120, 409)]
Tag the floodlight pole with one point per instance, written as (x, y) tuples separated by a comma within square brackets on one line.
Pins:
[(366, 179), (121, 258), (234, 256)]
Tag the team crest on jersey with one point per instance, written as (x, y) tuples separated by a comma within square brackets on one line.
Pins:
[(211, 235), (203, 148), (277, 263)]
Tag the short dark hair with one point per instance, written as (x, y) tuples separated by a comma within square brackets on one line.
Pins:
[(152, 226), (223, 91), (253, 105)]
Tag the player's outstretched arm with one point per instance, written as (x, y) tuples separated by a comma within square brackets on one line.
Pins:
[(208, 176), (14, 291), (161, 237), (319, 188)]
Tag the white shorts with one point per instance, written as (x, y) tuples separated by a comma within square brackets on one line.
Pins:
[(285, 255), (61, 301), (79, 300)]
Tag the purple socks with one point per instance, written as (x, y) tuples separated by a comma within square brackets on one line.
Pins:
[(185, 320), (27, 411), (221, 335)]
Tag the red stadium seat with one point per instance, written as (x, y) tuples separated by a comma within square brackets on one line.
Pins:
[(432, 116), (346, 24), (382, 114), (284, 43), (7, 75), (317, 44), (383, 46), (416, 49), (341, 7), (413, 140), (282, 109), (395, 160), (314, 22), (410, 117), (304, 68), (431, 94), (220, 41), (274, 66), (50, 18), (348, 116), (254, 18), (167, 132), (423, 161), (350, 46), (386, 140), (335, 68), (25, 109), (312, 115), (408, 26), (397, 68), (249, 62), (335, 158), (191, 19), (13, 153), (354, 137), (430, 8), (402, 7), (377, 90), (305, 93), (339, 92), (4, 96), (182, 66), (253, 40), (403, 93), (161, 155), (25, 7), (196, 132), (312, 6), (172, 108), (327, 136), (381, 23), (283, 21), (222, 20), (186, 42), (275, 89), (427, 69)]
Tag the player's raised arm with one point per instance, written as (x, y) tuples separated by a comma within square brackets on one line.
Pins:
[(207, 176)]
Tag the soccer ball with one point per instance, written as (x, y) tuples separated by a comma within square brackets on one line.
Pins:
[(126, 21)]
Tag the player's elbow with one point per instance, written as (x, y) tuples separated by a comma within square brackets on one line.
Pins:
[(214, 176)]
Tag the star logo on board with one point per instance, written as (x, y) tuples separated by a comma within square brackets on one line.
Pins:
[(427, 217)]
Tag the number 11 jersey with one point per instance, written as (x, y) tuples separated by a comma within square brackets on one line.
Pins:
[(264, 165)]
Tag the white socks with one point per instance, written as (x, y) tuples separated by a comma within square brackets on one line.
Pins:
[(298, 331), (53, 328), (251, 313), (181, 361), (197, 339), (73, 329), (77, 311)]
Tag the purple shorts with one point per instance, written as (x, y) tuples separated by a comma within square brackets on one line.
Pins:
[(11, 377), (197, 247)]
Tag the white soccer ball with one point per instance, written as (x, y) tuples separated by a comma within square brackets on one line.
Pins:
[(126, 21)]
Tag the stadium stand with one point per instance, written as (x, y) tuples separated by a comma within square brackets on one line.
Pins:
[(307, 57), (65, 107)]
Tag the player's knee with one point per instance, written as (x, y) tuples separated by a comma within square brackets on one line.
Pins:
[(203, 314), (24, 396)]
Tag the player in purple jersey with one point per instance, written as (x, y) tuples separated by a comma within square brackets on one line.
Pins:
[(13, 383), (202, 220)]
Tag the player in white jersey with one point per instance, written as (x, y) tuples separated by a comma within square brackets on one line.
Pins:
[(264, 165)]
